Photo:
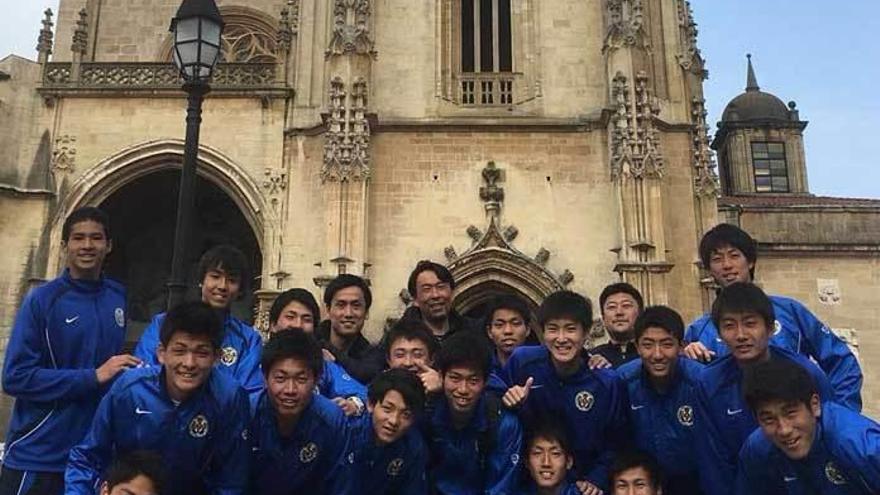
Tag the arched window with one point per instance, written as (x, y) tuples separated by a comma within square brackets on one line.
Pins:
[(249, 36)]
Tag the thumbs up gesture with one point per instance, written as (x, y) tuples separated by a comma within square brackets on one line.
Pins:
[(517, 394), (430, 378)]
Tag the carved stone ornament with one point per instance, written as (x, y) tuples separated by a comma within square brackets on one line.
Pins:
[(635, 143), (81, 34), (829, 291), (705, 178), (44, 41), (347, 145), (689, 56), (64, 154), (274, 181), (289, 24), (351, 32), (625, 22), (449, 252)]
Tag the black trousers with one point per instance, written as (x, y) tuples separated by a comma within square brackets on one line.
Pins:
[(15, 482)]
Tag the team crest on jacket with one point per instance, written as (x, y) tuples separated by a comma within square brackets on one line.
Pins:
[(834, 475), (584, 401), (198, 427), (395, 467), (119, 315), (228, 356), (308, 453), (686, 415)]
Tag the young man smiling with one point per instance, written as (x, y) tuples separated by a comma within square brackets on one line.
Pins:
[(137, 473), (298, 307), (743, 313), (431, 285), (662, 394), (390, 456), (804, 445), (300, 439), (195, 417), (554, 380), (64, 350), (548, 460), (636, 473), (222, 274), (411, 346), (475, 444), (730, 254)]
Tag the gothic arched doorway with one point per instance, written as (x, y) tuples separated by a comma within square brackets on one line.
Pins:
[(143, 213)]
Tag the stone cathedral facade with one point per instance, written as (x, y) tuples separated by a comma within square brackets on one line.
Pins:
[(531, 145)]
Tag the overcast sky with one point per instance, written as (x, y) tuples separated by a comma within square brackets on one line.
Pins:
[(824, 55)]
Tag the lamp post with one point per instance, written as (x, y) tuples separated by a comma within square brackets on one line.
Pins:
[(196, 28)]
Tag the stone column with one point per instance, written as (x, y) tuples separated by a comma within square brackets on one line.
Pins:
[(79, 46)]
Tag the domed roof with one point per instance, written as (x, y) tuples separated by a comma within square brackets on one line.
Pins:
[(755, 104)]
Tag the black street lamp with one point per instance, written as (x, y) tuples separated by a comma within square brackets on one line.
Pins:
[(197, 28)]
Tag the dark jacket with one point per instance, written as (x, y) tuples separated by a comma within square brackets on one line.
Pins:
[(457, 322), (616, 354), (362, 361)]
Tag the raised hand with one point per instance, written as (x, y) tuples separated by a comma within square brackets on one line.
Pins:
[(517, 394)]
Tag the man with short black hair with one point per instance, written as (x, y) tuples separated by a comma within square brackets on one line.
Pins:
[(411, 346), (389, 454), (139, 473), (348, 299), (804, 445), (191, 414), (554, 380), (549, 459), (621, 304), (636, 472), (475, 442), (730, 254), (744, 315), (508, 325), (64, 350), (298, 306), (301, 440), (431, 285), (223, 275), (662, 395)]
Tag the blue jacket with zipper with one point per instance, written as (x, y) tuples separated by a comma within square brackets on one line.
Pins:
[(64, 331)]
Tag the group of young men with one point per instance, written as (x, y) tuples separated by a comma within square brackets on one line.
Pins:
[(756, 397)]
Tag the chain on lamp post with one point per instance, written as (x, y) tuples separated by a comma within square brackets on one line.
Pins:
[(197, 28)]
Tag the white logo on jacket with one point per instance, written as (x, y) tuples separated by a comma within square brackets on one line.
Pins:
[(198, 427), (228, 356), (308, 453), (395, 467), (584, 401), (119, 314), (834, 475), (686, 415)]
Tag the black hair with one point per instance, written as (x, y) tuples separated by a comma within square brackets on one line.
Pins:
[(549, 428), (136, 463), (743, 297), (194, 318), (624, 461), (465, 350), (344, 281), (228, 258), (84, 214), (301, 296), (293, 343), (406, 383), (411, 329), (660, 316), (725, 234), (443, 274), (512, 303), (777, 380), (566, 304), (621, 288)]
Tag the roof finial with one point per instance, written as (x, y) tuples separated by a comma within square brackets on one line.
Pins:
[(752, 81)]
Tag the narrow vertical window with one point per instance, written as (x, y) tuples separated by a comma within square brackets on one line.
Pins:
[(505, 53), (486, 53), (467, 35), (487, 62)]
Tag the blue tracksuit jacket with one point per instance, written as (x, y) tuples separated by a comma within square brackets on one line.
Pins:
[(204, 438), (394, 469), (843, 460), (239, 353), (664, 425), (335, 382), (725, 420), (64, 330), (799, 331), (593, 404), (456, 464), (314, 460)]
